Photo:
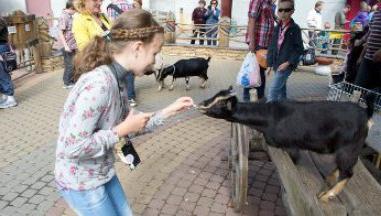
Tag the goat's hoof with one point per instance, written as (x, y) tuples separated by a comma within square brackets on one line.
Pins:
[(325, 195), (160, 88), (187, 88), (203, 86), (171, 88)]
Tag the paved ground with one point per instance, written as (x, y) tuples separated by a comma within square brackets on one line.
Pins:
[(182, 172)]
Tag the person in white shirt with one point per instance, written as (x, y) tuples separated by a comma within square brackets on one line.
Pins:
[(315, 21)]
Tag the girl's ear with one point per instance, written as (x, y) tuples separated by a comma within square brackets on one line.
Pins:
[(137, 46)]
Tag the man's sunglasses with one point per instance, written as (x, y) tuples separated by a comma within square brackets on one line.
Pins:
[(280, 10)]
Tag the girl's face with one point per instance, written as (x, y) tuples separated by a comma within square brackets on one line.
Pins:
[(145, 55), (93, 6)]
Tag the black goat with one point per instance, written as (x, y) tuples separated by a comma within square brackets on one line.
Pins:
[(326, 127), (185, 68)]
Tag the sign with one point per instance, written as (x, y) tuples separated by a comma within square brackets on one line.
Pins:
[(12, 30), (27, 27)]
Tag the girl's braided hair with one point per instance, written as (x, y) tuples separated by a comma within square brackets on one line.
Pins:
[(133, 25)]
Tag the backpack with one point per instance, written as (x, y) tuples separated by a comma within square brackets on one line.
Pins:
[(115, 8)]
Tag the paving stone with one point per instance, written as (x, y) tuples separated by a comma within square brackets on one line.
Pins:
[(4, 191), (47, 191), (156, 203), (169, 209), (55, 211), (19, 201), (151, 212), (191, 197), (209, 193), (37, 199), (3, 204), (196, 189), (201, 210), (29, 193), (205, 201), (38, 185), (45, 205), (10, 196), (9, 210), (47, 178), (174, 199), (179, 191), (187, 206), (218, 208), (20, 188)]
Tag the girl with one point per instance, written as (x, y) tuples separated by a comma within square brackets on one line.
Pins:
[(94, 117)]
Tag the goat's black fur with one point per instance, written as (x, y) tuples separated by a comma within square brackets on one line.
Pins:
[(186, 68), (326, 127)]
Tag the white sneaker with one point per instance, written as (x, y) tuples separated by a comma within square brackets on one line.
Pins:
[(9, 102), (132, 103), (68, 86), (3, 98)]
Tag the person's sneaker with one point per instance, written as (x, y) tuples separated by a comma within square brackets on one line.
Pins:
[(3, 98), (68, 86), (132, 103), (9, 102)]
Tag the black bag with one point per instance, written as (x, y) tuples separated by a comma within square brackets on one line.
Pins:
[(309, 57), (10, 60)]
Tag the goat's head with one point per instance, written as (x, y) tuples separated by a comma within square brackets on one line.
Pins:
[(164, 72), (220, 105)]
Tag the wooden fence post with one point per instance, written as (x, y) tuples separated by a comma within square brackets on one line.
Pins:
[(170, 29), (223, 32)]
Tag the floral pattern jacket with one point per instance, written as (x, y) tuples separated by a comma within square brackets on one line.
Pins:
[(84, 154)]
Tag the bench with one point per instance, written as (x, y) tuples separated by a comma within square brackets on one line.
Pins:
[(302, 182)]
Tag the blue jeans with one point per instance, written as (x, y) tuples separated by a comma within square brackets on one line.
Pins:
[(130, 82), (108, 199), (260, 89), (69, 67), (6, 84), (278, 87)]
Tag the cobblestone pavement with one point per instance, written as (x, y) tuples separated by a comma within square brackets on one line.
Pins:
[(182, 172)]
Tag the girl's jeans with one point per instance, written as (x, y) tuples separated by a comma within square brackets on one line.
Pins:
[(108, 200), (278, 86)]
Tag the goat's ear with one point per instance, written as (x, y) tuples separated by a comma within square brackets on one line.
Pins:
[(230, 88), (231, 103)]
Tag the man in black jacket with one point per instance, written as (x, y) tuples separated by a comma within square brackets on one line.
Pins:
[(284, 51)]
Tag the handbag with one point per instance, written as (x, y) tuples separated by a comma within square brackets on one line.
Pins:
[(124, 148), (249, 74)]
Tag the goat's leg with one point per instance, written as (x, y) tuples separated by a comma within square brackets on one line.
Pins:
[(345, 159), (331, 179), (187, 86), (161, 85), (205, 79), (325, 196), (172, 85)]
